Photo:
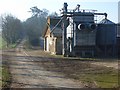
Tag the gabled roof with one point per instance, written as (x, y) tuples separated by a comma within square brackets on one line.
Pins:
[(51, 22), (106, 21)]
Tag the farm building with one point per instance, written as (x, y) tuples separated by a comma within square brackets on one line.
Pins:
[(53, 41), (118, 40), (83, 35), (76, 33), (106, 38), (118, 30)]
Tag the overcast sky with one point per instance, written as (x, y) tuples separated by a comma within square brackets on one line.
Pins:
[(20, 8)]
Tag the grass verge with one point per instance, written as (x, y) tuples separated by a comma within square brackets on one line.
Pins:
[(4, 77), (103, 79), (2, 43)]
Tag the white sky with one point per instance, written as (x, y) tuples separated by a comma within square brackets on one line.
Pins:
[(19, 8)]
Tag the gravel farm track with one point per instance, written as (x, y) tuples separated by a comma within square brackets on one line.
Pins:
[(30, 69)]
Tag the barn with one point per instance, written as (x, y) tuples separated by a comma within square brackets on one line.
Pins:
[(78, 34), (106, 38), (53, 41), (118, 40)]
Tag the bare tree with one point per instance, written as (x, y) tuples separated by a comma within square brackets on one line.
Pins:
[(11, 29)]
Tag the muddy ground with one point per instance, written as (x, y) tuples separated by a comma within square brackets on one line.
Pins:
[(38, 69)]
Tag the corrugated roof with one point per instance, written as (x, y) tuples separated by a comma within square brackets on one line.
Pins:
[(54, 21), (106, 21), (57, 31)]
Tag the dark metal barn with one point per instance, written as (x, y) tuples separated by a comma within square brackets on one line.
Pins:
[(106, 38)]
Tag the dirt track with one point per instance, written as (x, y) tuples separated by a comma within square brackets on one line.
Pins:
[(30, 70), (28, 73)]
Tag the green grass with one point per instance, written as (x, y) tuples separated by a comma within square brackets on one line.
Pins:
[(2, 42), (0, 76), (106, 78), (4, 76), (12, 45)]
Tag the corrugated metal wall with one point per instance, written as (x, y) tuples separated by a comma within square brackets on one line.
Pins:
[(106, 34), (106, 38)]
